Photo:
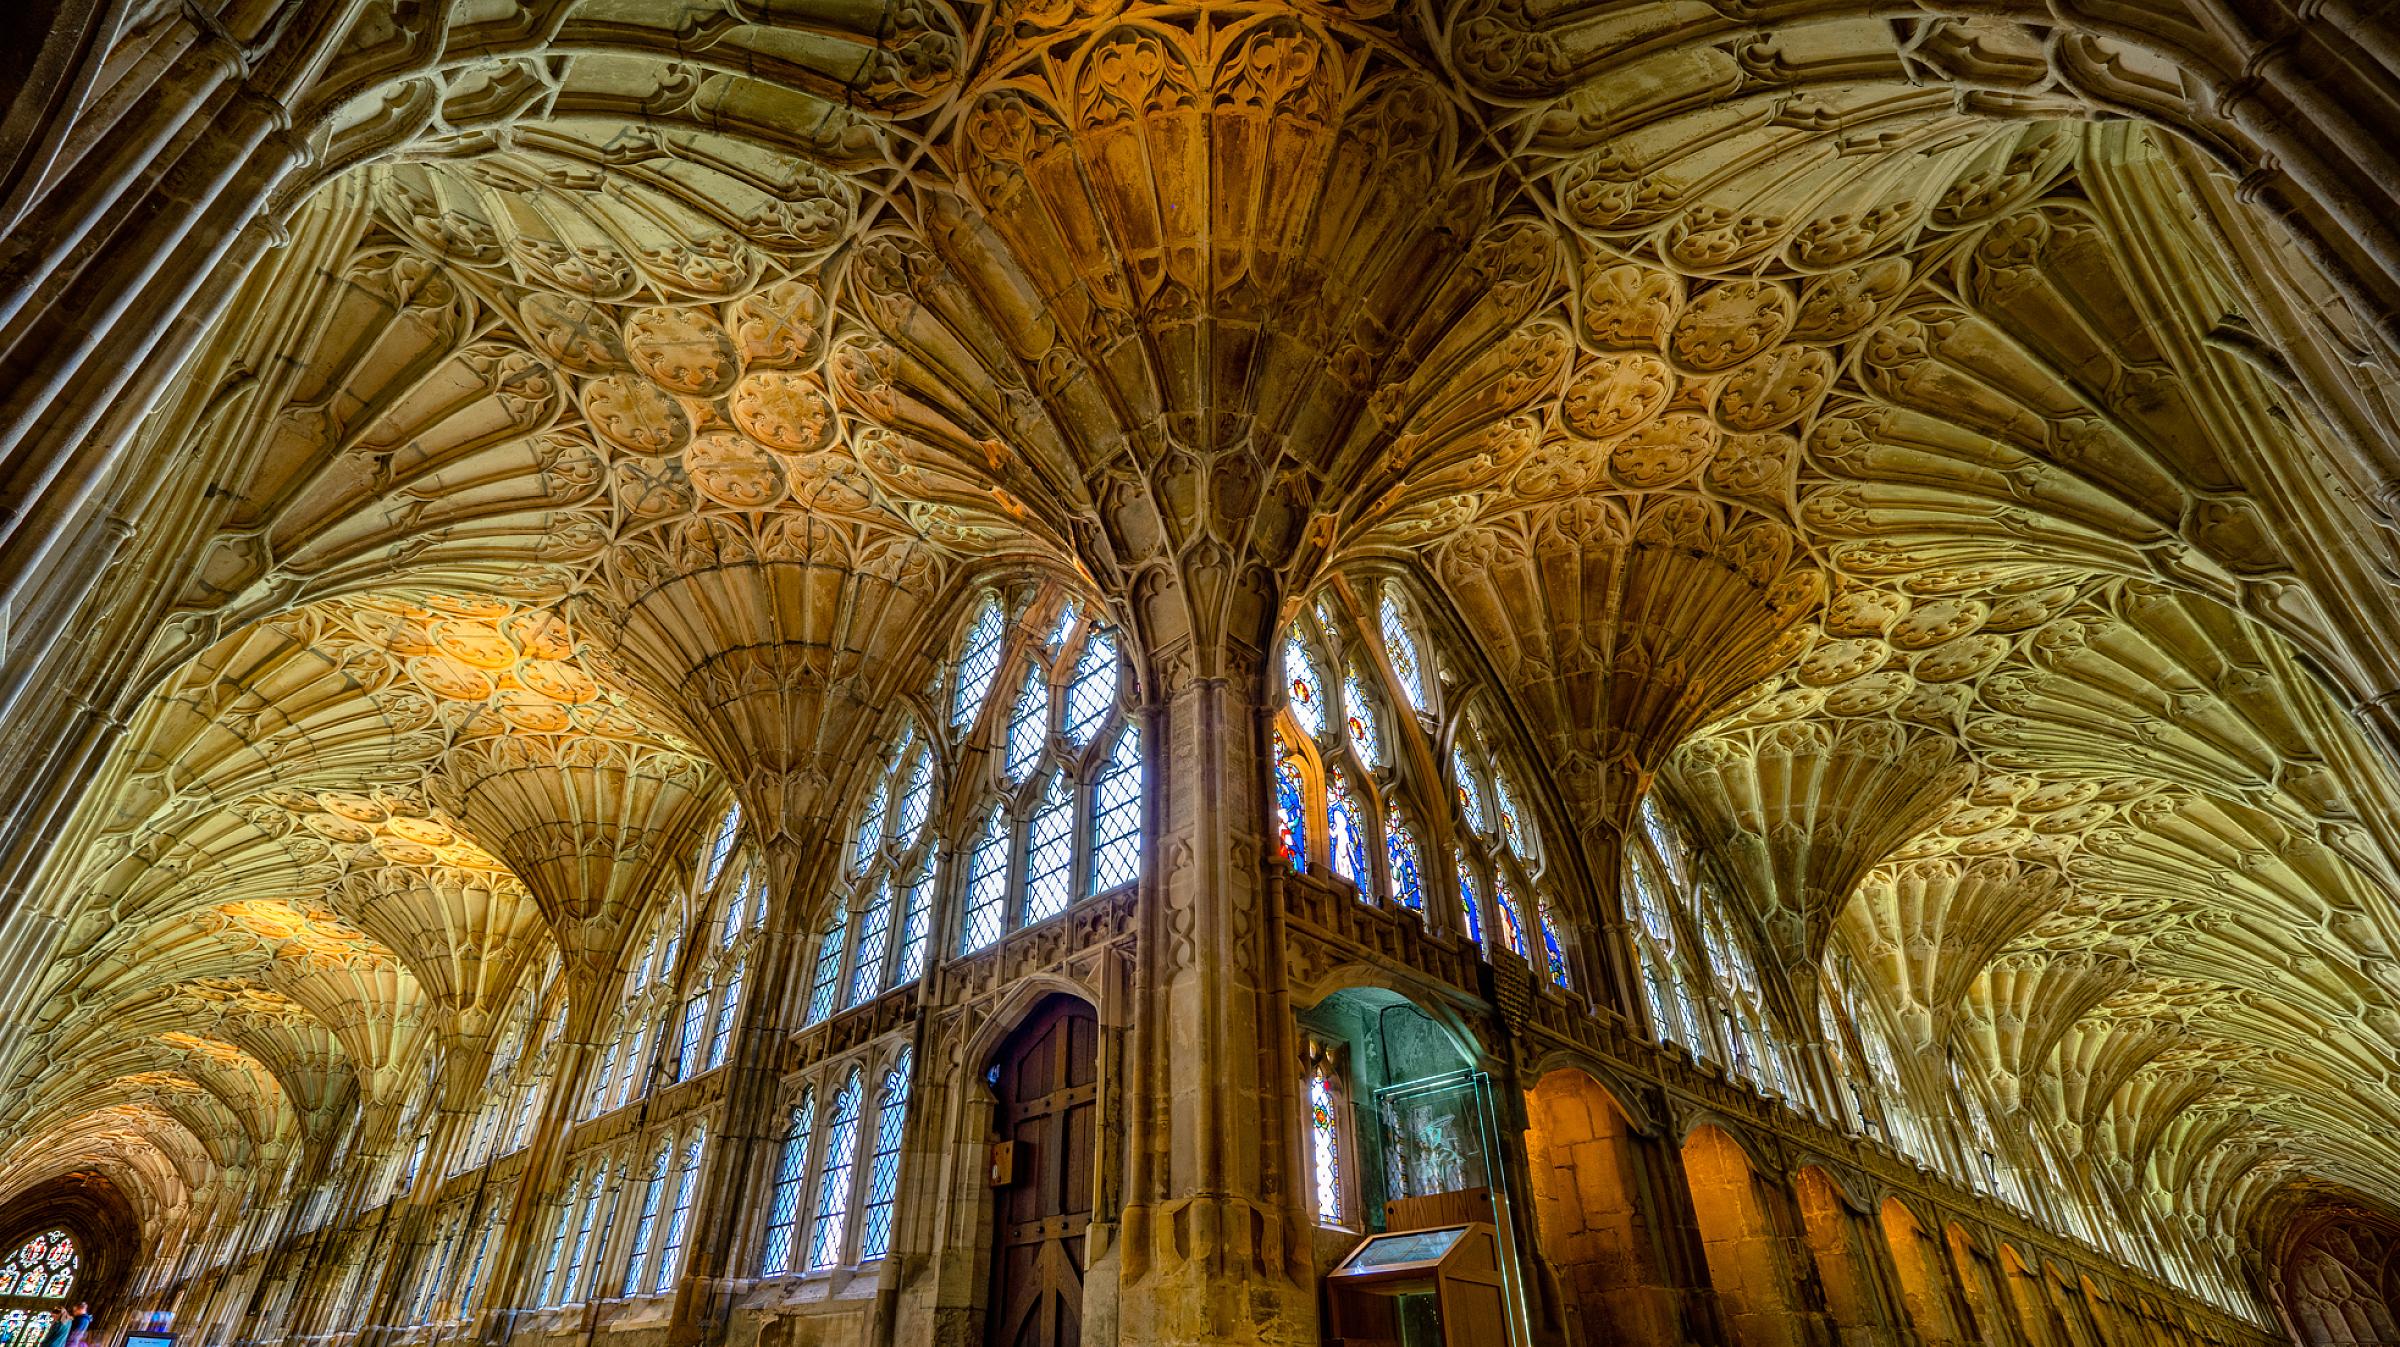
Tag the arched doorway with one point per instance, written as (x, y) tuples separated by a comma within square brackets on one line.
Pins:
[(1612, 1227), (1850, 1264), (1045, 1080), (1754, 1262)]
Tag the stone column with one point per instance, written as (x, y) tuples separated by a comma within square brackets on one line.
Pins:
[(1214, 1240)]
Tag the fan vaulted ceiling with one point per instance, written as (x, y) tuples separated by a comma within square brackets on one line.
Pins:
[(1894, 439)]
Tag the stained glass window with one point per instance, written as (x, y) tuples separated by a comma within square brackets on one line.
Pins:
[(1469, 903), (827, 977), (1325, 1145), (1512, 822), (1302, 686), (1511, 920), (1028, 724), (791, 1175), (978, 663), (1365, 730), (1344, 838), (833, 1177), (883, 1171), (720, 1036), (1050, 852), (1400, 855), (874, 935), (729, 830), (1094, 687), (687, 1189), (916, 918), (654, 1193), (1553, 953), (1470, 792), (1291, 831), (1117, 814), (42, 1266), (987, 884), (1400, 646)]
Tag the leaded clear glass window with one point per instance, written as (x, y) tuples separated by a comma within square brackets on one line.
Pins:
[(883, 1170), (687, 1190), (791, 1176), (916, 917), (645, 1224), (874, 934), (1117, 814), (833, 1177), (978, 664), (826, 980), (1304, 691), (987, 883), (1058, 813)]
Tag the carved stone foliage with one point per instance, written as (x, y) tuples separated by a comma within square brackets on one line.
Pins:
[(1861, 430)]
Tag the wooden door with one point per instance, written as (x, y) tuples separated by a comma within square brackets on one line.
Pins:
[(1047, 1087)]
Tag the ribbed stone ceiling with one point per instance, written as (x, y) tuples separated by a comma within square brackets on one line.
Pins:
[(1858, 429)]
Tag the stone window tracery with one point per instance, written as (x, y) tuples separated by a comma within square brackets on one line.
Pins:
[(645, 1224), (833, 1176), (1053, 781), (883, 1168), (791, 1178), (687, 1190), (43, 1266)]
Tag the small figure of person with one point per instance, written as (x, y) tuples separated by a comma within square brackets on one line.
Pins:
[(53, 1324), (79, 1325)]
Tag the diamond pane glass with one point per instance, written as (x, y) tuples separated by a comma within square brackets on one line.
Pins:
[(883, 1171), (1291, 834), (1365, 730), (1028, 724), (825, 981), (987, 884), (654, 1193), (1324, 1137), (1400, 646), (915, 921), (874, 936), (870, 828), (1050, 851), (791, 1175), (729, 830), (1400, 855), (833, 1178), (1302, 686), (1093, 689), (1117, 815), (687, 1188), (1512, 822), (720, 1036), (1470, 792), (916, 796), (978, 663)]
